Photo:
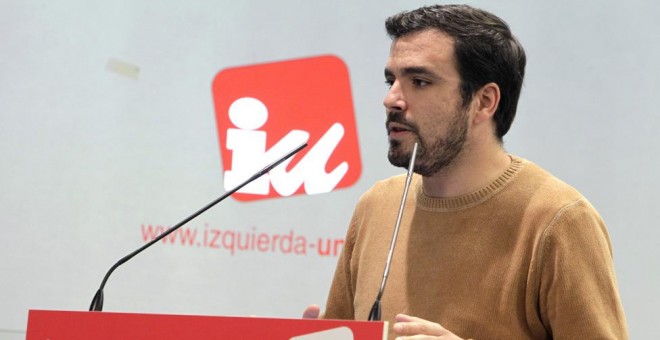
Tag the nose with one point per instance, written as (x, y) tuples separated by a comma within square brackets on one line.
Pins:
[(394, 100)]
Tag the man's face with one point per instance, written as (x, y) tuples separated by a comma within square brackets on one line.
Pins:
[(424, 103)]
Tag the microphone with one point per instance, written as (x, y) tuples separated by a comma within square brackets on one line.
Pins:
[(97, 301), (375, 313)]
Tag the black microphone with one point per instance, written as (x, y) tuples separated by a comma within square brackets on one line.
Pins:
[(97, 301), (375, 313)]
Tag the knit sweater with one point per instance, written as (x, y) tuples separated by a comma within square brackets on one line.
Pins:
[(525, 257)]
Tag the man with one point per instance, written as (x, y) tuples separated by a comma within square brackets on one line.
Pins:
[(490, 245)]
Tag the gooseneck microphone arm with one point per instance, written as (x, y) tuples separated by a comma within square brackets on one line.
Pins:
[(375, 313), (97, 301)]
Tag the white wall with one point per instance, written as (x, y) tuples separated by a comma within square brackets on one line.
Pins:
[(88, 155)]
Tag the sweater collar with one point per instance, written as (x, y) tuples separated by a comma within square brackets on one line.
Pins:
[(474, 198)]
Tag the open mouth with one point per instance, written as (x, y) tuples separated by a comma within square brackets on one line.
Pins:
[(397, 128)]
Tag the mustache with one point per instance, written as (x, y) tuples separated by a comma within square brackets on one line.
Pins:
[(397, 117)]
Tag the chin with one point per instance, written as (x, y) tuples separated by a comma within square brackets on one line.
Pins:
[(397, 157)]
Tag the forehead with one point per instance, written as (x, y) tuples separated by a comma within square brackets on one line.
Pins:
[(429, 48)]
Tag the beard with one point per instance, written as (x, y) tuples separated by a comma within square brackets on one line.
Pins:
[(433, 155)]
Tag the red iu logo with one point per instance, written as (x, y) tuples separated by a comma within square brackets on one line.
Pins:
[(263, 111)]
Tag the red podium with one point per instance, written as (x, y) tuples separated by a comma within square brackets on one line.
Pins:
[(44, 324)]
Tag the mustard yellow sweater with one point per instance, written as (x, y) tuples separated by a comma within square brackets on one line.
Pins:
[(526, 257)]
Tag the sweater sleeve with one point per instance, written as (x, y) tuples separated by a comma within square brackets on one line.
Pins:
[(339, 304), (578, 296)]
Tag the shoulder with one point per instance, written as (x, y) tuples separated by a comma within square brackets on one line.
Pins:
[(386, 191), (577, 225), (568, 215), (551, 206), (542, 189), (381, 201)]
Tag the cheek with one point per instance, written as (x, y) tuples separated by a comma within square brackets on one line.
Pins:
[(432, 113), (427, 134), (432, 124)]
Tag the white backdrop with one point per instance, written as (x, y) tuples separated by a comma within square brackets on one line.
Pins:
[(90, 154)]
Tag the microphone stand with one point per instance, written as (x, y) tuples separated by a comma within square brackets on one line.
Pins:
[(375, 313), (97, 301)]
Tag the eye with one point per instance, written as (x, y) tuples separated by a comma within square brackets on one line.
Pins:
[(389, 82), (420, 82)]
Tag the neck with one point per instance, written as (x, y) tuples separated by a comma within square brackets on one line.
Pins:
[(472, 169)]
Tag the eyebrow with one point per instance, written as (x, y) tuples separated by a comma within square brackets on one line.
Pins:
[(413, 70)]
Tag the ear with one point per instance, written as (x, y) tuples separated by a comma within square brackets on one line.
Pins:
[(485, 102)]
